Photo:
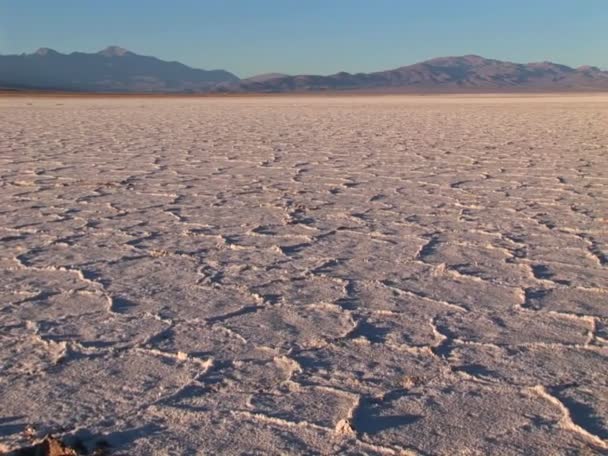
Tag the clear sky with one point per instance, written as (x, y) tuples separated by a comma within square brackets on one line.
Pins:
[(249, 37)]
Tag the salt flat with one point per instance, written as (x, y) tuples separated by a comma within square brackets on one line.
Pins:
[(292, 275)]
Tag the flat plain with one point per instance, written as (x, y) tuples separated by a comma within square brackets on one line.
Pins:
[(306, 275)]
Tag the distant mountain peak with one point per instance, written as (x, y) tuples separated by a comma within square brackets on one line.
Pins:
[(113, 69), (114, 51), (470, 59), (474, 58), (45, 51)]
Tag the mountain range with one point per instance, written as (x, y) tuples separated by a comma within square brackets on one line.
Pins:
[(111, 70), (117, 70)]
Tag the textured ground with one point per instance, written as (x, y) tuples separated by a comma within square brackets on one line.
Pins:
[(306, 275)]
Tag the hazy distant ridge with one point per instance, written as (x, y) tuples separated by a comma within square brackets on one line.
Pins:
[(111, 70), (117, 70), (467, 73)]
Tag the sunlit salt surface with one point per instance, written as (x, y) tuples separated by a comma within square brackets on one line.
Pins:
[(353, 275)]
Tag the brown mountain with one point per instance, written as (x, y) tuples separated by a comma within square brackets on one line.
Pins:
[(265, 77), (469, 73)]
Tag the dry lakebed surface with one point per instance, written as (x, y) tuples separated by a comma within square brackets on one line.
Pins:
[(363, 275)]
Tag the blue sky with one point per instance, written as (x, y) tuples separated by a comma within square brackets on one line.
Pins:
[(313, 36)]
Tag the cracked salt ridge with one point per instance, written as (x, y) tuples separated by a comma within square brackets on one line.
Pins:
[(221, 278)]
